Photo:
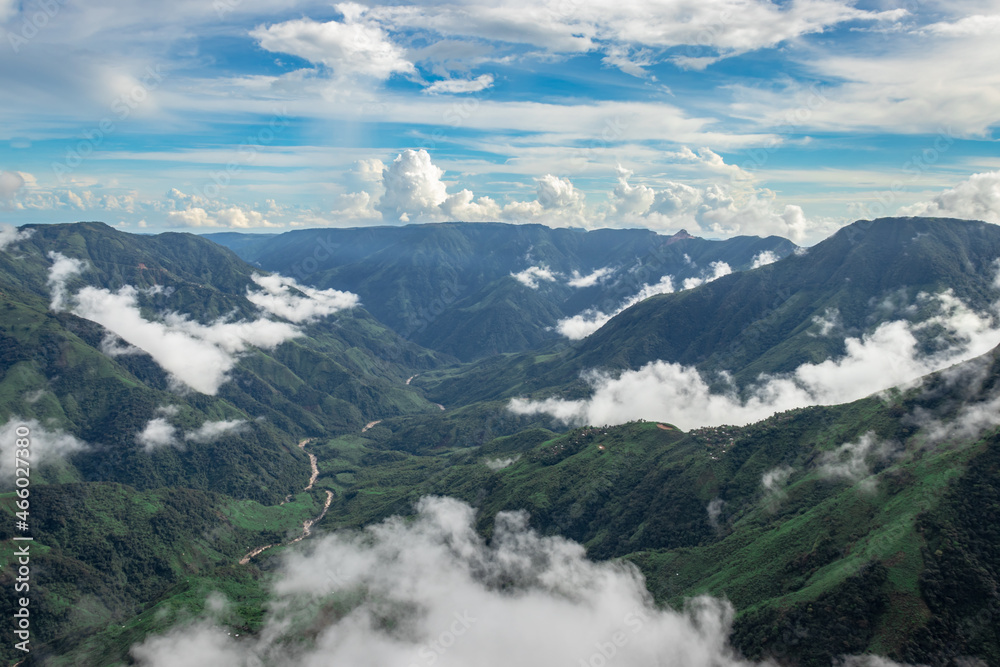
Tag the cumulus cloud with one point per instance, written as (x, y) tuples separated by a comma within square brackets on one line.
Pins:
[(590, 279), (197, 355), (413, 190), (354, 46), (413, 187), (730, 206), (431, 590), (235, 217), (9, 235), (889, 356), (582, 325), (977, 198), (851, 461), (297, 303), (45, 445), (211, 431), (764, 258), (452, 86), (11, 182), (533, 276)]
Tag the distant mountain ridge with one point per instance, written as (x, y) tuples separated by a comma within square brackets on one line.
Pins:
[(458, 276), (769, 320)]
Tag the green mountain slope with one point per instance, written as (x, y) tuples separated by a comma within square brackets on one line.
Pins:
[(449, 286), (769, 320), (871, 514)]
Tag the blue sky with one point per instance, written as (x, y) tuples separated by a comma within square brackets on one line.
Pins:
[(723, 117)]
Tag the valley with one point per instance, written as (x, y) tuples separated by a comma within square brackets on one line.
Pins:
[(812, 440)]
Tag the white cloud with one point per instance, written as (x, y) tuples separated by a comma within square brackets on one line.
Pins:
[(714, 509), (159, 432), (45, 446), (63, 268), (972, 420), (621, 30), (976, 25), (452, 86), (234, 217), (197, 355), (11, 182), (850, 461), (9, 235), (211, 431), (590, 279), (764, 258), (887, 357), (828, 322), (8, 8), (585, 323), (977, 198), (279, 298), (352, 47), (456, 600), (774, 480), (534, 275), (500, 464), (724, 208), (718, 270), (413, 187)]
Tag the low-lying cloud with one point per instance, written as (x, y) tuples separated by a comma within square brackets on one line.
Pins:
[(287, 299), (585, 323), (45, 446), (852, 461), (534, 276), (9, 235), (716, 271), (160, 432), (195, 355), (431, 591), (764, 258), (887, 357), (211, 431), (590, 279)]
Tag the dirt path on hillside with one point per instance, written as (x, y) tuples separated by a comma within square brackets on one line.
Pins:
[(308, 523)]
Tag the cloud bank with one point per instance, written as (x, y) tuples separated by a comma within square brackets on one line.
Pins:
[(432, 591), (977, 198), (887, 357)]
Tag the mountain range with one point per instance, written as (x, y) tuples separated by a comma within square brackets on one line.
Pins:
[(807, 433)]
